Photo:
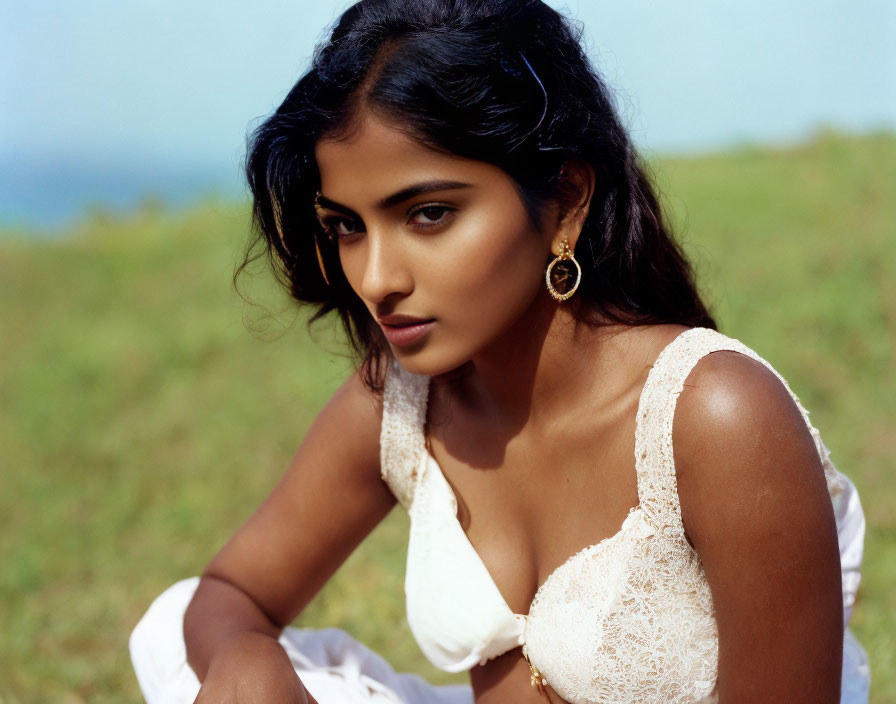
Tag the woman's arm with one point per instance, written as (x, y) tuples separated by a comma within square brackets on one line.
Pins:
[(330, 498), (755, 505)]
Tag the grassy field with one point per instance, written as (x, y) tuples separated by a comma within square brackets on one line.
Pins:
[(147, 408)]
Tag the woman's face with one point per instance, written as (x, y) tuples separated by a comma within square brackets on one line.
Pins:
[(436, 237)]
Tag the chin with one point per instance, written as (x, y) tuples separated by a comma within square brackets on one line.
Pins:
[(426, 363)]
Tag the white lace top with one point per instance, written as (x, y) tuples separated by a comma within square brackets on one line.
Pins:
[(629, 619)]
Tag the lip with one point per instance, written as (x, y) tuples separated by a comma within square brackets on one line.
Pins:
[(404, 330), (400, 319)]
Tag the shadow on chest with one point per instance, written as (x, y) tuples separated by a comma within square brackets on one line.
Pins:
[(530, 499)]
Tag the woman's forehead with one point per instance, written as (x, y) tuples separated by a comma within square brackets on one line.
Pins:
[(378, 159)]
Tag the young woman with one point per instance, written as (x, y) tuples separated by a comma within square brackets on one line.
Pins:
[(451, 178)]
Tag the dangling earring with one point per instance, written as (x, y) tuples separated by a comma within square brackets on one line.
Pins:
[(320, 260), (563, 273)]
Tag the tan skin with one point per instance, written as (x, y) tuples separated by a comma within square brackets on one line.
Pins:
[(532, 419)]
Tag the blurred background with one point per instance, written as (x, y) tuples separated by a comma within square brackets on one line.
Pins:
[(148, 407)]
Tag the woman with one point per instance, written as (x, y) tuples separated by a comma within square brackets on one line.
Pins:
[(451, 178)]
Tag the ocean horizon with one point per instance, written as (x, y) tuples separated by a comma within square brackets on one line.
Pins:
[(43, 196)]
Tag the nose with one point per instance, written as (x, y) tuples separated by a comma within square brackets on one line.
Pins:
[(385, 268)]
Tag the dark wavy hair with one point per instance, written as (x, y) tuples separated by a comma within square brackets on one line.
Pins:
[(500, 81)]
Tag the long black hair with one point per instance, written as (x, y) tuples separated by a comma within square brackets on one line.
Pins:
[(501, 81)]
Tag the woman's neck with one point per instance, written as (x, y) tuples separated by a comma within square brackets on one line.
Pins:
[(543, 366)]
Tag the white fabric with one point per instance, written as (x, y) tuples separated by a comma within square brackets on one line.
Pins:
[(333, 666), (627, 619)]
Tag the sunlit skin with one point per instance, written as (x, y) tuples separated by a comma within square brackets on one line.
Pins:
[(532, 419), (471, 259)]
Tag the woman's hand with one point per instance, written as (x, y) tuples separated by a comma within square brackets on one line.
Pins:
[(252, 667)]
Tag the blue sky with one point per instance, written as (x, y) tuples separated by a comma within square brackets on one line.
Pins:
[(167, 84)]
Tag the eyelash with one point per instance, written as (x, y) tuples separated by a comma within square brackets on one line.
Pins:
[(330, 224)]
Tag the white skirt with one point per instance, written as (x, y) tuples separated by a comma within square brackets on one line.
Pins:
[(335, 667)]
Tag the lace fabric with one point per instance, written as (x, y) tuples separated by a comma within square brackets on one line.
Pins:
[(627, 619), (401, 439)]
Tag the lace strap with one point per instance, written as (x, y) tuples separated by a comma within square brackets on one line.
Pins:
[(401, 436), (654, 461)]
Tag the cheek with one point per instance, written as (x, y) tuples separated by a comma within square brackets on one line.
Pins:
[(492, 268)]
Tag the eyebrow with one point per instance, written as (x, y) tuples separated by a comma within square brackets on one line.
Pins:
[(402, 195)]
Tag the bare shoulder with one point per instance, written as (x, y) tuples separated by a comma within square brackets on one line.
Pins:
[(755, 506), (356, 407), (739, 438), (346, 432), (343, 443)]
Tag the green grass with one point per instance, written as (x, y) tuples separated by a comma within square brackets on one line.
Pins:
[(146, 408)]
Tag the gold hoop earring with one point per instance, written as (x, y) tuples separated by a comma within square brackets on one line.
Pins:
[(563, 273)]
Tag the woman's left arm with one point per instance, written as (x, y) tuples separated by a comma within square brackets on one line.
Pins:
[(756, 508)]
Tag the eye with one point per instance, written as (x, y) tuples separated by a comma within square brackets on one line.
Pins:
[(339, 228), (431, 215)]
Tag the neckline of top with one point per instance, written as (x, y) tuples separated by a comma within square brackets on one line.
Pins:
[(588, 549)]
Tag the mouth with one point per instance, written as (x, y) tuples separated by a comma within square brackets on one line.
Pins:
[(405, 330)]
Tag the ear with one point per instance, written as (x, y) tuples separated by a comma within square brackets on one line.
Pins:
[(576, 189)]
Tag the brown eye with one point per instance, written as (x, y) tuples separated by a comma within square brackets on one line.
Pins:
[(431, 215), (339, 228)]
